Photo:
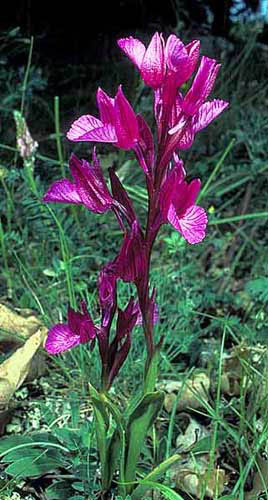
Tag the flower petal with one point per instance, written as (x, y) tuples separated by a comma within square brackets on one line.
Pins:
[(146, 142), (61, 338), (207, 113), (82, 126), (133, 48), (192, 225), (91, 185), (106, 107), (202, 85), (176, 53), (63, 191), (126, 125), (153, 64), (121, 195)]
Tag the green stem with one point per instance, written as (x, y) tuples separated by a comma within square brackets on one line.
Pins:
[(217, 167), (237, 218), (58, 135), (26, 76), (4, 253)]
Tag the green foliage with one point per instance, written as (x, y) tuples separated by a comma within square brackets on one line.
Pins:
[(258, 289), (41, 453)]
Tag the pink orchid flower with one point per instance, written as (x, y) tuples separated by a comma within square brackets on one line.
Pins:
[(117, 123), (160, 60), (177, 204), (79, 329), (89, 187), (192, 113)]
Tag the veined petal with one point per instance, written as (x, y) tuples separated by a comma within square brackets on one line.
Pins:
[(184, 196), (202, 85), (91, 184), (63, 191), (106, 133), (193, 50), (61, 338), (106, 107), (133, 48), (153, 64), (176, 53), (171, 187), (186, 141), (192, 193), (126, 125), (82, 126), (207, 113), (192, 225)]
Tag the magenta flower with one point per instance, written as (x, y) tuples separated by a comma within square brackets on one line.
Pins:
[(131, 261), (160, 60), (181, 59), (79, 329), (117, 123), (89, 187), (202, 85), (107, 286), (150, 61), (191, 113), (177, 205)]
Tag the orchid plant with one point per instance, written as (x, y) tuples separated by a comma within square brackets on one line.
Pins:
[(165, 67)]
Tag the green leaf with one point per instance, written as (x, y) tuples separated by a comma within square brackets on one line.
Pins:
[(228, 497), (13, 441), (101, 429), (26, 467), (121, 498), (85, 470), (204, 444), (258, 288), (78, 486), (139, 423), (32, 453), (116, 448), (86, 434), (156, 473), (70, 437), (152, 372), (59, 491)]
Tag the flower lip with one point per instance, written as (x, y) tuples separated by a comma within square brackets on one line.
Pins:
[(177, 204), (79, 329), (89, 187)]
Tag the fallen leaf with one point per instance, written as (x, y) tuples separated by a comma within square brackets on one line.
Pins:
[(194, 476), (15, 369), (23, 324), (193, 433), (191, 393)]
